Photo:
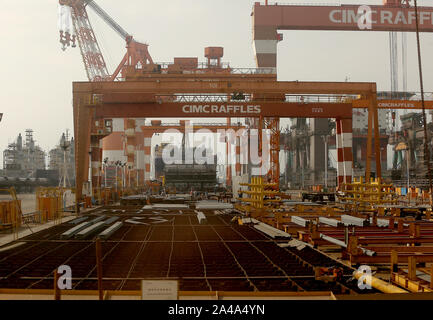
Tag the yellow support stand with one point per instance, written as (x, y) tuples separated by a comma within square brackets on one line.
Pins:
[(258, 192), (11, 212), (364, 196), (49, 203)]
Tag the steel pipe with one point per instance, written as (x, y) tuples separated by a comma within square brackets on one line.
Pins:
[(379, 284)]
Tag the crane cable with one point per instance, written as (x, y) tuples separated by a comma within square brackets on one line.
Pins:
[(426, 148)]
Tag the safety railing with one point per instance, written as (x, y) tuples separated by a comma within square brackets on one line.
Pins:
[(200, 98), (320, 98), (200, 65), (203, 67), (399, 95), (246, 97), (253, 70)]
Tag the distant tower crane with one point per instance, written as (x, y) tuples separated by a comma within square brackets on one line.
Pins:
[(65, 144)]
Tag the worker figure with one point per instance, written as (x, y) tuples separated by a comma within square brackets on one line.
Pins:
[(329, 274)]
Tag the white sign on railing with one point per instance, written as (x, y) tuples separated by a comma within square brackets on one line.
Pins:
[(159, 290)]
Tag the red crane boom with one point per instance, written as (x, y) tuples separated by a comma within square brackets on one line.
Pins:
[(137, 54)]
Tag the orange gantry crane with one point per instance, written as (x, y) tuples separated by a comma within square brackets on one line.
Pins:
[(75, 27), (269, 19)]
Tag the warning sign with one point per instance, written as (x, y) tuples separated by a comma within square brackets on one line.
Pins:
[(159, 290)]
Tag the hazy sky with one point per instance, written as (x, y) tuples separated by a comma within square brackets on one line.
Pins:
[(36, 86)]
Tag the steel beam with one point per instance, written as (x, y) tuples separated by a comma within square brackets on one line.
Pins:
[(237, 110), (386, 258), (353, 221), (330, 222), (387, 249), (270, 18), (107, 233), (71, 232), (300, 221), (89, 230), (89, 97), (161, 86)]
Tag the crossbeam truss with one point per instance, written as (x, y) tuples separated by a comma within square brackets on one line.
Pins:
[(138, 99)]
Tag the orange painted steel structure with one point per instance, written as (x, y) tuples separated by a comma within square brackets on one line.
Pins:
[(95, 101), (394, 15), (395, 104), (94, 61), (137, 55), (268, 19)]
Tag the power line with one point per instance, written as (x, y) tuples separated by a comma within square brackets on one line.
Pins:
[(426, 148)]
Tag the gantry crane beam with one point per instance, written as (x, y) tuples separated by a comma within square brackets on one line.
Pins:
[(94, 101), (193, 128), (394, 104), (179, 86), (268, 19), (341, 17), (149, 109)]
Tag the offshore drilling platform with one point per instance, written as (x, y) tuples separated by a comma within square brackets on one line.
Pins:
[(242, 207)]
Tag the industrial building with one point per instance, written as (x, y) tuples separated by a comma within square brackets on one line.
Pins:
[(23, 158), (62, 160)]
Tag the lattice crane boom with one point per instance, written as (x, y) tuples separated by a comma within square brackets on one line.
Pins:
[(106, 17), (93, 59), (137, 54)]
